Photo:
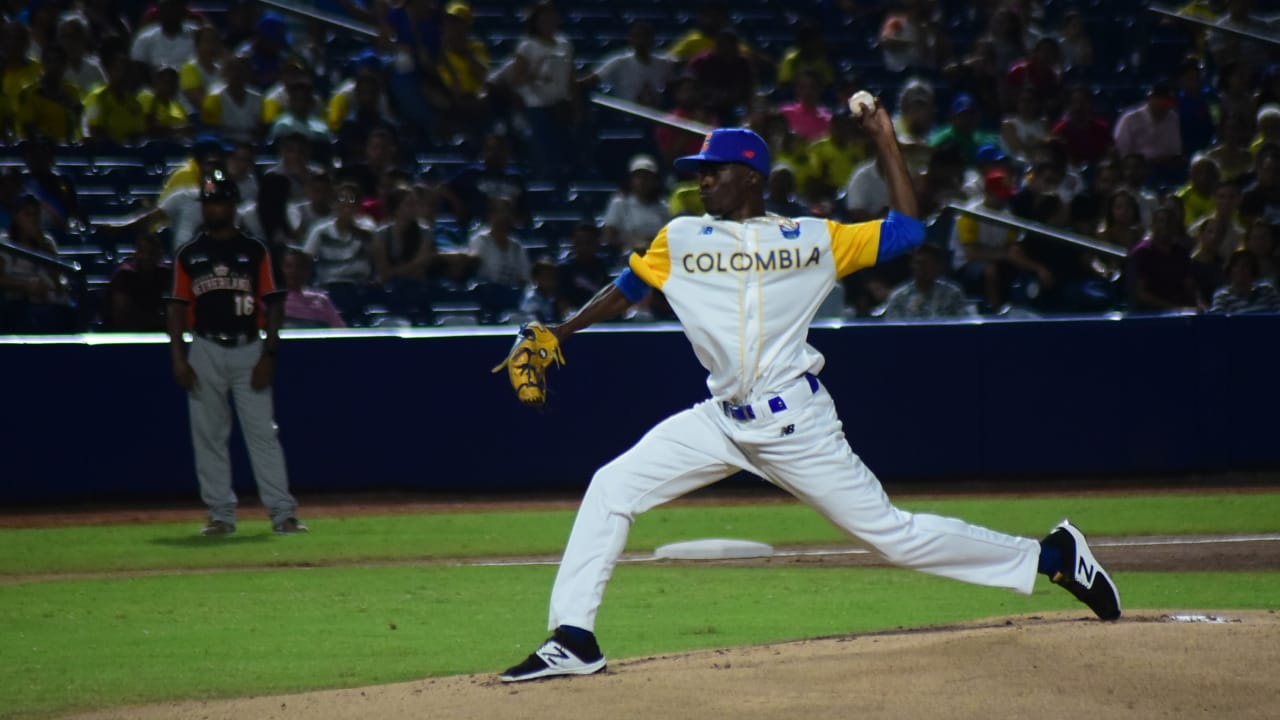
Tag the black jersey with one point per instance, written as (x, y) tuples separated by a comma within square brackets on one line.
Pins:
[(225, 284)]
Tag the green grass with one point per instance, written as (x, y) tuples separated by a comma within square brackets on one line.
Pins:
[(458, 535), (76, 644), (80, 644)]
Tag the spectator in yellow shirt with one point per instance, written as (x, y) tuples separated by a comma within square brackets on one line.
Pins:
[(464, 62), (1197, 195), (112, 112), (460, 71), (17, 71), (343, 102), (51, 106), (833, 158), (162, 109), (277, 96), (712, 18), (199, 75), (987, 256), (809, 54), (785, 146)]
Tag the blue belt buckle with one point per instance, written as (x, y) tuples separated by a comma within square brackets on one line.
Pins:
[(738, 412)]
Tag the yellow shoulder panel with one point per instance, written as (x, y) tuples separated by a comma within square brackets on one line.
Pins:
[(654, 266), (854, 246)]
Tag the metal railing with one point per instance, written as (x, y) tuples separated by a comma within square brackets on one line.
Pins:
[(327, 18), (649, 113), (42, 258), (1229, 27), (1017, 223)]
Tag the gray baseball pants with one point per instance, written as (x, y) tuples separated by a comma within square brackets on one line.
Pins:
[(220, 370)]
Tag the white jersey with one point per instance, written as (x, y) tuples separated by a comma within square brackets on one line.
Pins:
[(746, 292)]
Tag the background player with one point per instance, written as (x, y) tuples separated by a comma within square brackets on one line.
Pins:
[(225, 291), (746, 287)]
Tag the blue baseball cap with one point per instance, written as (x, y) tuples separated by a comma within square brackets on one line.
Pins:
[(210, 144), (962, 102), (990, 153), (729, 145), (273, 29), (368, 60)]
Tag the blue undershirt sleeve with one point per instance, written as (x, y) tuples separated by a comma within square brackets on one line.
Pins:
[(631, 286), (898, 234)]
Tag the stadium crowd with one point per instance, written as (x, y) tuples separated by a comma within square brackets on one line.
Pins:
[(441, 162)]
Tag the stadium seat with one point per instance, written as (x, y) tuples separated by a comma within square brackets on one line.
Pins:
[(591, 197)]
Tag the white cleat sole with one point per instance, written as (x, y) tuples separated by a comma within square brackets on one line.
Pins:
[(583, 669)]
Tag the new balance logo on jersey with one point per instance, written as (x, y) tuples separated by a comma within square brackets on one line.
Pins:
[(788, 430), (780, 259)]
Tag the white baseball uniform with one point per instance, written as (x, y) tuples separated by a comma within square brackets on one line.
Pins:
[(746, 293)]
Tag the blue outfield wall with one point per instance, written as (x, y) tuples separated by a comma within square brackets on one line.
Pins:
[(98, 417)]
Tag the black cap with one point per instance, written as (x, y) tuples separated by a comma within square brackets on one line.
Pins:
[(216, 185)]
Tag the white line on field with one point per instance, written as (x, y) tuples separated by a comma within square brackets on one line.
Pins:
[(1154, 542)]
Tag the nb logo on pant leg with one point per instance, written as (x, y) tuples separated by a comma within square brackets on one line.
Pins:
[(788, 429)]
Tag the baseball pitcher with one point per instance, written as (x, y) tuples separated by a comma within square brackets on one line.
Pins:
[(745, 286)]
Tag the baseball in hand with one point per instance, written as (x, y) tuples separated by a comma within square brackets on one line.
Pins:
[(862, 102)]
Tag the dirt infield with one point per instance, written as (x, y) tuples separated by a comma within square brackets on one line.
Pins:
[(1044, 667)]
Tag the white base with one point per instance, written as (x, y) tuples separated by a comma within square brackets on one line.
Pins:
[(713, 549)]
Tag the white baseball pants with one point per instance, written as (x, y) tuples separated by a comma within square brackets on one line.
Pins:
[(700, 446), (219, 371)]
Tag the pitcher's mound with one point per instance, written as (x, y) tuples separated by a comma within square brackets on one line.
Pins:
[(1183, 664)]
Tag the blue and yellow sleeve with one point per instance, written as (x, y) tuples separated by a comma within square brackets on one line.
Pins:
[(862, 245), (654, 266)]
